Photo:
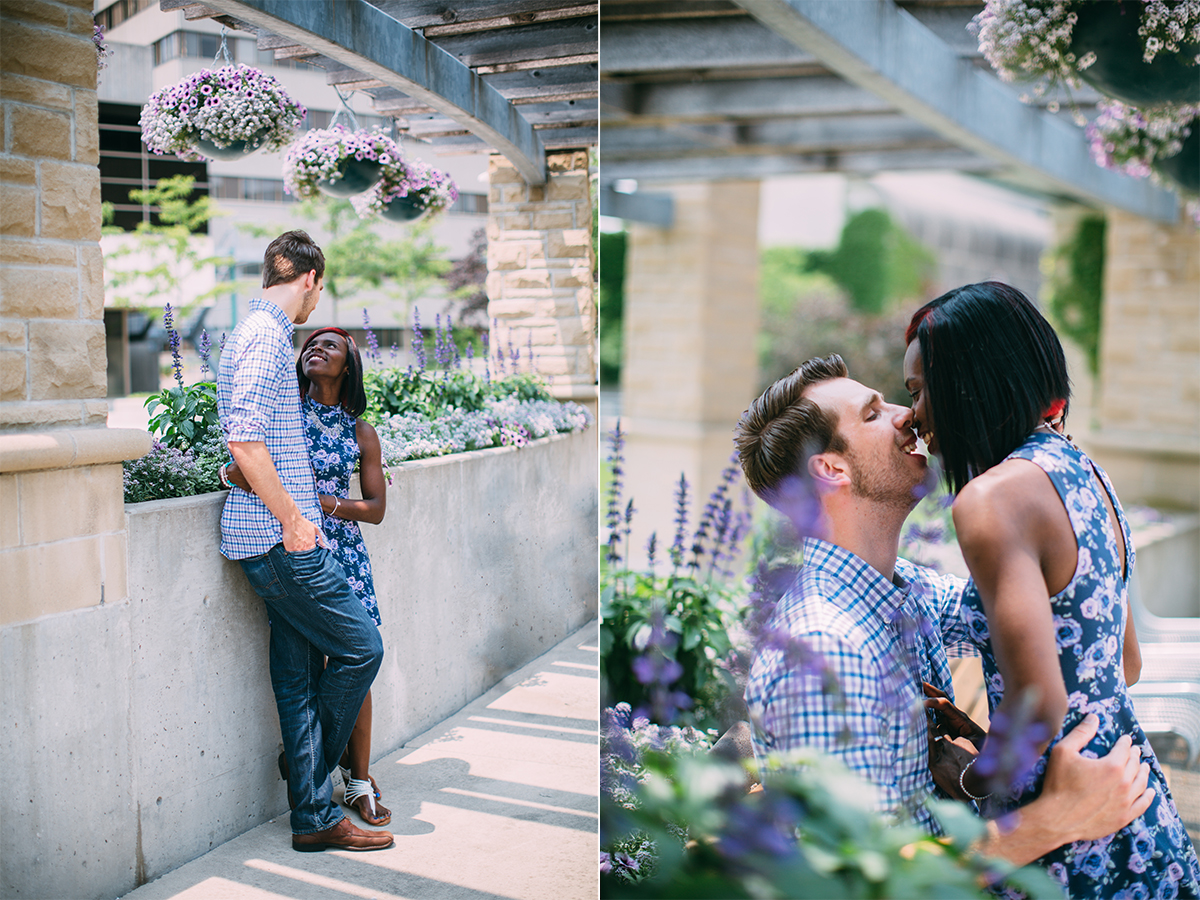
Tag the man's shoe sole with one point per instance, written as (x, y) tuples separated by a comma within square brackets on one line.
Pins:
[(316, 848)]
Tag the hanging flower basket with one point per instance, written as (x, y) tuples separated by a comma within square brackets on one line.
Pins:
[(1156, 143), (221, 114), (1133, 63), (337, 161), (408, 190), (1049, 42)]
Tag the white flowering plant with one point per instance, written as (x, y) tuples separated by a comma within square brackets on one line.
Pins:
[(318, 157), (429, 190), (223, 106), (1129, 140), (1030, 40)]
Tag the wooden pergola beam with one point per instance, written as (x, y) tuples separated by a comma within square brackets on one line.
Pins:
[(360, 36)]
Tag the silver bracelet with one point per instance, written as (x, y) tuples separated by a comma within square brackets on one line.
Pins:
[(224, 476), (333, 512), (962, 786)]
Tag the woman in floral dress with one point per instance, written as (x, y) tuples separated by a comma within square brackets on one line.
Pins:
[(1050, 557), (330, 373)]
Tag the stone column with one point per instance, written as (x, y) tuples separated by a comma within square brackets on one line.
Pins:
[(541, 273), (691, 365), (1148, 408), (62, 522)]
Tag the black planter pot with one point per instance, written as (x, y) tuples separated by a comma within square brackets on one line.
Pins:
[(236, 150), (1184, 167), (358, 175), (1109, 29), (403, 209)]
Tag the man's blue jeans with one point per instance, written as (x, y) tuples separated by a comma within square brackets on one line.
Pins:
[(314, 615)]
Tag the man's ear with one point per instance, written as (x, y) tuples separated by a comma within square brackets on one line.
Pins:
[(829, 471), (310, 280)]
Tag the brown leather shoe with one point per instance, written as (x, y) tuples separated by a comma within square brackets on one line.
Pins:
[(342, 836)]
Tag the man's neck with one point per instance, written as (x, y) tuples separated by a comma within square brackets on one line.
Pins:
[(286, 297), (869, 530)]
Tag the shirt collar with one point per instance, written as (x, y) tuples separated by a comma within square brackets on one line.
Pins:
[(258, 303), (866, 585)]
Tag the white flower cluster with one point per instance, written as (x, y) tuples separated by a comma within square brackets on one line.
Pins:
[(1165, 27), (432, 190), (1027, 39), (233, 103), (412, 436), (319, 154), (1127, 139)]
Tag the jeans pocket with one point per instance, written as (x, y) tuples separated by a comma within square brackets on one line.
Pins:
[(262, 576)]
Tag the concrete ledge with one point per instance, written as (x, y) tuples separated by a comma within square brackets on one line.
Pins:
[(153, 720), (70, 447)]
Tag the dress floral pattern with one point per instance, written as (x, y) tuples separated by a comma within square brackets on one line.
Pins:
[(1153, 856), (333, 450)]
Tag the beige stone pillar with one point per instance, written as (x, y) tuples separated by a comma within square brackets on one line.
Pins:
[(541, 272), (691, 366), (62, 544), (1148, 408)]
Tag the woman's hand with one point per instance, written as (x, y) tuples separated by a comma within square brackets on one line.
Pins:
[(235, 476)]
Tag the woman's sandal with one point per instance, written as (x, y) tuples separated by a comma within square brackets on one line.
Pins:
[(360, 790), (346, 780)]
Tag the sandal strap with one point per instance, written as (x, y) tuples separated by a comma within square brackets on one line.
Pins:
[(357, 788)]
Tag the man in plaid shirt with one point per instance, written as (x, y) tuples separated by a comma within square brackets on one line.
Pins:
[(273, 531), (843, 463)]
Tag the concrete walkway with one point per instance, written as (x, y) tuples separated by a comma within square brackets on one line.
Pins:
[(499, 801)]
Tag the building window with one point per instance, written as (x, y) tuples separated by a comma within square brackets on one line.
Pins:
[(258, 190), (202, 45), (470, 203), (118, 12), (126, 164)]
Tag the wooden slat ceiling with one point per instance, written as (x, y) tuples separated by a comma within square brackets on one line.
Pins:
[(541, 55), (701, 89)]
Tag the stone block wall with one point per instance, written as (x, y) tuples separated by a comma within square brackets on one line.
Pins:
[(1148, 405), (541, 284), (691, 361), (52, 352)]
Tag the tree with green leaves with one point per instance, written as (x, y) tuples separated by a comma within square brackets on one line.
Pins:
[(358, 257), (165, 255)]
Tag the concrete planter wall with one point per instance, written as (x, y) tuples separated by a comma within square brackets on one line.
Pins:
[(144, 732)]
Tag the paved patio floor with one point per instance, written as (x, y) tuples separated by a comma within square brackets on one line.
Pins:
[(499, 801)]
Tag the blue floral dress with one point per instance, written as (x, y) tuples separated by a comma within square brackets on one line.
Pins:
[(1153, 856), (333, 450)]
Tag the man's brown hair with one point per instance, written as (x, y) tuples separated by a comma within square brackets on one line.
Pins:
[(782, 428), (290, 256)]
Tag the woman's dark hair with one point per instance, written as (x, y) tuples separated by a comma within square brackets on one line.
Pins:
[(354, 395), (994, 370), (290, 256)]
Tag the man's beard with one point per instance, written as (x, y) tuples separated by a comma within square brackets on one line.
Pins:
[(893, 487)]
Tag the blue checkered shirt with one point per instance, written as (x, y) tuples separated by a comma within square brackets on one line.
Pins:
[(876, 640), (258, 399)]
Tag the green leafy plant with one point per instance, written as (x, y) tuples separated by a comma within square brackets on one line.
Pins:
[(186, 415), (664, 638), (1076, 290), (677, 822), (611, 306)]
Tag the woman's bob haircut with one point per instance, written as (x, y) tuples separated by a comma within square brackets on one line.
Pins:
[(994, 370), (353, 395)]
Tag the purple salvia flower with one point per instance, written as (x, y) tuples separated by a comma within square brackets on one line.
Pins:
[(1011, 750), (203, 348), (224, 337), (681, 503), (651, 547), (529, 346), (173, 337), (372, 340), (418, 339), (612, 515)]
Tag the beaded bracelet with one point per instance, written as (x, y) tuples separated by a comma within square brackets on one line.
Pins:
[(962, 786)]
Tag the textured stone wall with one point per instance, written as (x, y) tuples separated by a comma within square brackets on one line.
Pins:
[(1148, 404), (541, 286), (52, 352), (691, 361)]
